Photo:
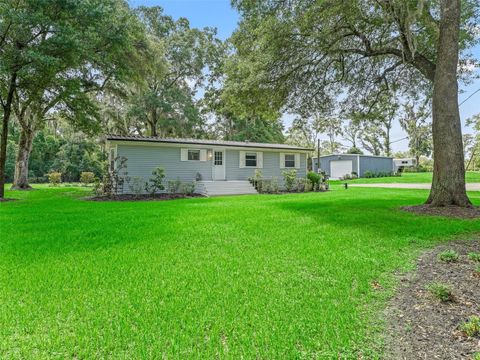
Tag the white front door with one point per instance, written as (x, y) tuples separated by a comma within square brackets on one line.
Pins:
[(340, 168), (219, 165)]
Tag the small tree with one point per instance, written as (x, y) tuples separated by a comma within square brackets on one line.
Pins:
[(155, 183)]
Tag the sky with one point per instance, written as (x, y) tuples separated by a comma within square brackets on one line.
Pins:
[(219, 14)]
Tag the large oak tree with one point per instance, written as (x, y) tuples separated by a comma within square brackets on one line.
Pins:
[(313, 50), (51, 52)]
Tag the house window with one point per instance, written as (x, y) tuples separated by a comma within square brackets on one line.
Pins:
[(218, 158), (194, 155), (289, 160), (251, 159)]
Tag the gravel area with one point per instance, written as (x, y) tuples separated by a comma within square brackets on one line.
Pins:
[(423, 327)]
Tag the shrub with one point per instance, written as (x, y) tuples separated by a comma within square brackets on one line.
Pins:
[(155, 183), (289, 179), (471, 327), (476, 356), (55, 178), (274, 186), (448, 256), (188, 188), (38, 180), (300, 184), (368, 174), (136, 185), (173, 186), (474, 256), (440, 291), (314, 177), (87, 178), (113, 180)]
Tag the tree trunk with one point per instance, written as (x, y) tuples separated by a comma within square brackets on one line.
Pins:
[(7, 109), (448, 186), (20, 180)]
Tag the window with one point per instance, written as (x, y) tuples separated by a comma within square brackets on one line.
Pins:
[(251, 159), (289, 160), (194, 155), (218, 158)]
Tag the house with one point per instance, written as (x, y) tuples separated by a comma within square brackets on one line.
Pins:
[(219, 167), (402, 164), (339, 165)]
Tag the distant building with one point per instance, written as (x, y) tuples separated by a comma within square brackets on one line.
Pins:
[(402, 164), (338, 165)]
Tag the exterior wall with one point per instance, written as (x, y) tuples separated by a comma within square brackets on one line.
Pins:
[(375, 164), (367, 163), (271, 166), (143, 159)]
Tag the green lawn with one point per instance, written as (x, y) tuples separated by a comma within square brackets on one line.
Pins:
[(471, 176), (284, 276)]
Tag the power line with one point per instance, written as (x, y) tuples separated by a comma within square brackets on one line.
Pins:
[(468, 97), (476, 91)]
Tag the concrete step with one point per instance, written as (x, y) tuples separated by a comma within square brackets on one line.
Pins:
[(212, 188)]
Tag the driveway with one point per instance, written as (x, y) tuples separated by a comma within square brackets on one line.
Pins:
[(470, 186)]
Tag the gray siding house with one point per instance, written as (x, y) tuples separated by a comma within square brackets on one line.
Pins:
[(222, 167), (339, 165)]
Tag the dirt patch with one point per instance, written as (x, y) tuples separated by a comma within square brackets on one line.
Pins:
[(422, 327), (447, 211), (143, 197), (7, 199)]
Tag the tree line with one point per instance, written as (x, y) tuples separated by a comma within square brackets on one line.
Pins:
[(71, 71)]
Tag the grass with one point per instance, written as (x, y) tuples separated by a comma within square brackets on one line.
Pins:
[(406, 178), (266, 276)]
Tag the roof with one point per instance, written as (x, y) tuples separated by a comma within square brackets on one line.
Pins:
[(246, 144), (362, 155)]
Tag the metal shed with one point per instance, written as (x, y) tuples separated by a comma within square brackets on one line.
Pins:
[(339, 165)]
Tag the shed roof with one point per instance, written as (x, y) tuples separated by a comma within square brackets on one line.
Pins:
[(247, 144), (361, 155)]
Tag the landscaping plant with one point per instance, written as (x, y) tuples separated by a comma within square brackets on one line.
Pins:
[(448, 256), (173, 186), (87, 178), (440, 291), (471, 327), (155, 183), (55, 178), (289, 179), (474, 256)]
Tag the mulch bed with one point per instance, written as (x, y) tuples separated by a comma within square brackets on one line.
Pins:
[(447, 211), (143, 197), (422, 327)]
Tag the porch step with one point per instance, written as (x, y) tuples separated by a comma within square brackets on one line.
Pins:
[(212, 188)]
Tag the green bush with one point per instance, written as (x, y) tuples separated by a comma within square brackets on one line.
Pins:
[(471, 327), (289, 179), (314, 177), (87, 178), (440, 291), (55, 178), (173, 186), (188, 188), (448, 256), (155, 183)]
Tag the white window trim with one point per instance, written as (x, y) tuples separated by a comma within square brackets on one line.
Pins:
[(296, 157), (184, 154)]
